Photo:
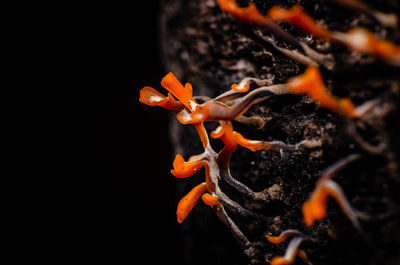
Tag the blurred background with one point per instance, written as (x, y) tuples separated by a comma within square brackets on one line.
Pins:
[(134, 155)]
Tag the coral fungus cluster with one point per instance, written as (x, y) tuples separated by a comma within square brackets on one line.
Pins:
[(224, 109), (235, 102)]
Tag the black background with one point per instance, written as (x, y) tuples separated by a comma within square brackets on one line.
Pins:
[(133, 154)]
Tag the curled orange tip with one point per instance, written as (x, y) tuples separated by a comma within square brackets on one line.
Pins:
[(218, 132), (183, 93), (299, 18), (290, 254), (184, 169), (209, 199), (315, 208), (252, 145), (249, 14), (187, 203), (240, 88), (152, 97), (311, 84), (283, 236), (362, 40)]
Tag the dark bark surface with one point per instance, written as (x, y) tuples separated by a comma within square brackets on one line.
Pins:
[(206, 47)]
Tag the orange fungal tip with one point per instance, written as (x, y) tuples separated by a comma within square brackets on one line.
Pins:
[(279, 261), (277, 13), (189, 88), (249, 144), (152, 97), (311, 84), (240, 88), (357, 39), (249, 14), (276, 239), (315, 208), (308, 214), (306, 82), (218, 132), (187, 203), (347, 108), (184, 169), (284, 235), (183, 93), (292, 251), (226, 133), (299, 18), (362, 40), (209, 199)]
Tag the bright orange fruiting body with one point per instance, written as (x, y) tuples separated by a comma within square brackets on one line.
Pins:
[(315, 208), (151, 97), (282, 261), (357, 39), (311, 84), (291, 251), (252, 145), (187, 203), (276, 239), (209, 199), (249, 14), (243, 89), (362, 40), (298, 17), (183, 93), (184, 169), (232, 139), (225, 133), (231, 105)]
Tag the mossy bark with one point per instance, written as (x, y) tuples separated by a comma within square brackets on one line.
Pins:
[(206, 47)]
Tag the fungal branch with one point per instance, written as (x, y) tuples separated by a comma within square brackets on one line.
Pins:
[(357, 39), (292, 249), (216, 165), (251, 15), (209, 191), (235, 102), (388, 20), (224, 109), (315, 208)]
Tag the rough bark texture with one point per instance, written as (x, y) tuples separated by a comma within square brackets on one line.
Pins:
[(204, 46)]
